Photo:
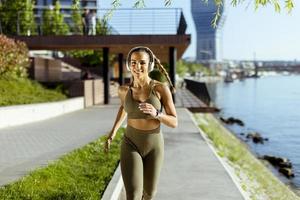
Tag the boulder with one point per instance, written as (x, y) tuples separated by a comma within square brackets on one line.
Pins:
[(287, 164), (256, 137), (236, 120), (288, 172), (232, 120), (223, 120), (284, 165), (275, 160)]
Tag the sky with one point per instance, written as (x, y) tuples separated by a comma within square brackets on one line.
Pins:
[(247, 34)]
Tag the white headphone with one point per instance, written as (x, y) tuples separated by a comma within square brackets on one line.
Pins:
[(150, 53)]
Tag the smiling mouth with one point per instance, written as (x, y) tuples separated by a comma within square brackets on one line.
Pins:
[(138, 72)]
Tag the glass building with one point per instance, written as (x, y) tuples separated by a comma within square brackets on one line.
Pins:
[(208, 38)]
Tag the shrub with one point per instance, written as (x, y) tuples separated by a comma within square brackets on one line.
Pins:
[(14, 59)]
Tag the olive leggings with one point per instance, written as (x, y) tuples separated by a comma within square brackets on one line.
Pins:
[(142, 154)]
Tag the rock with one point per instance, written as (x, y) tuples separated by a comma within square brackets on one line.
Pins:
[(278, 161), (273, 159), (256, 137), (222, 119), (232, 120), (242, 133), (287, 164), (239, 122), (287, 172)]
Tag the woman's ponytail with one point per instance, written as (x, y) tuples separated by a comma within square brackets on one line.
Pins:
[(165, 73)]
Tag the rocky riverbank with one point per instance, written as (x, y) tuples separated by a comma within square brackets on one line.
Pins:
[(255, 177)]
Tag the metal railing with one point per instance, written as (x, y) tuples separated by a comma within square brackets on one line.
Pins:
[(122, 21), (145, 21)]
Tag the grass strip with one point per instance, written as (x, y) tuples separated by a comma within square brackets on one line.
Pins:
[(15, 91), (81, 174), (259, 182)]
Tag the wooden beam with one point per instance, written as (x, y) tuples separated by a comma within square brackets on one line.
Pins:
[(159, 44)]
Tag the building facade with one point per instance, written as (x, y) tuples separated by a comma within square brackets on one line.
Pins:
[(208, 38)]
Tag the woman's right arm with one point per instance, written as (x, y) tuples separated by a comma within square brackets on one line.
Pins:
[(121, 113), (119, 120)]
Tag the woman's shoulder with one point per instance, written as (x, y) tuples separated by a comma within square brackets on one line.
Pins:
[(158, 85), (123, 88), (160, 88)]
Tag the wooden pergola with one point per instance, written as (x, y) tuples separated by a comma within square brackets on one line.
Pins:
[(168, 48)]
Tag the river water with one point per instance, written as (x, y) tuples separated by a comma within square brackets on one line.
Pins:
[(269, 105)]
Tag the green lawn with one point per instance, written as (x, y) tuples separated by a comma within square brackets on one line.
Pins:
[(81, 174), (25, 91), (260, 181)]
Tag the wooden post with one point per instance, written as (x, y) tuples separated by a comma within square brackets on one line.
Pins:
[(121, 78), (106, 77), (172, 62)]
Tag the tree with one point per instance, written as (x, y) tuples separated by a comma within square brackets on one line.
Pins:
[(183, 67), (47, 22), (76, 18), (53, 21), (102, 27), (289, 4), (17, 17), (28, 25)]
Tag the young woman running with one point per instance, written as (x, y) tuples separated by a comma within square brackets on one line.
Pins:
[(142, 147)]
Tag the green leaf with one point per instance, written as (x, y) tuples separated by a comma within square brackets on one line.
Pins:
[(289, 5), (168, 2), (139, 4)]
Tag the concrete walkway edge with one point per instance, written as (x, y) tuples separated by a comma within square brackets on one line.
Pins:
[(225, 165), (113, 190), (17, 115)]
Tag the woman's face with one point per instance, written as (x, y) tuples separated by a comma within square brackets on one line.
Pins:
[(139, 63)]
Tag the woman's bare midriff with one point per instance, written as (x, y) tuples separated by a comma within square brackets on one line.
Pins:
[(143, 124)]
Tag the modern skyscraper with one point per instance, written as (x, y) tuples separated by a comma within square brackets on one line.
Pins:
[(208, 38)]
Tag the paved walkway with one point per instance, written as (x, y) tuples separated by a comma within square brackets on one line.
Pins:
[(28, 146), (190, 170)]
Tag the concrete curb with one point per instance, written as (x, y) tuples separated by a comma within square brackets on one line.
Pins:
[(113, 190), (225, 165), (23, 114)]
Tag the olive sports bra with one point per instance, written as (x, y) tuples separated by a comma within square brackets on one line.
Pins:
[(131, 106)]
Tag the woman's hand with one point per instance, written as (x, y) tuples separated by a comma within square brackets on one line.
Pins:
[(147, 108), (107, 144)]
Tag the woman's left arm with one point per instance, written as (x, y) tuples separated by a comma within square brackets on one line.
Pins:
[(169, 118)]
